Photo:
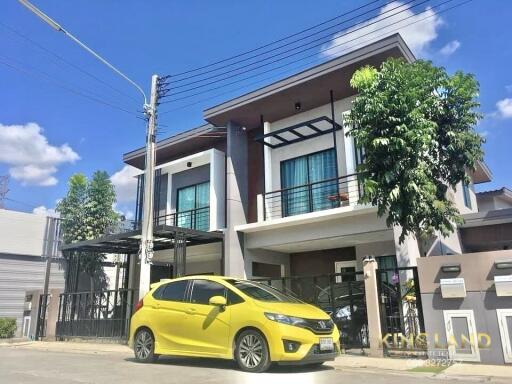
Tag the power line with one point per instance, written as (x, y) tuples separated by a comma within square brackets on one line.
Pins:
[(76, 67), (49, 79), (308, 56), (276, 41), (363, 43)]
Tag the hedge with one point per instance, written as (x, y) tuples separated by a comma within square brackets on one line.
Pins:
[(7, 327)]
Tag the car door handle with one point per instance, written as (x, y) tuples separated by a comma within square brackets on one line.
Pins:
[(190, 311)]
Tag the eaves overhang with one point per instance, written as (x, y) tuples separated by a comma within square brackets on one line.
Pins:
[(311, 87)]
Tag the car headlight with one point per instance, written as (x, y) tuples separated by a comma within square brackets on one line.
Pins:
[(289, 320)]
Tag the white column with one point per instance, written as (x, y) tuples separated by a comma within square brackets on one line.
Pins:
[(267, 152), (407, 252), (217, 183), (350, 161)]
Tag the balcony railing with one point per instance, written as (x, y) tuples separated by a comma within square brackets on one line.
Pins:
[(198, 219), (312, 197)]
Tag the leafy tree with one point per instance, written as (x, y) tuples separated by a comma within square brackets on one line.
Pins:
[(87, 211), (416, 124)]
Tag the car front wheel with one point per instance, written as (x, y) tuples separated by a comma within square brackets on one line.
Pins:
[(251, 353), (144, 346)]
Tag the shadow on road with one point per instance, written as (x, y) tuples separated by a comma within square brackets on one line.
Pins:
[(201, 362)]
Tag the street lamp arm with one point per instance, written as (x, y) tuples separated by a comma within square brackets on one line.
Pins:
[(52, 23)]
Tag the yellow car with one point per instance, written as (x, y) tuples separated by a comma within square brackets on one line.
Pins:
[(222, 317)]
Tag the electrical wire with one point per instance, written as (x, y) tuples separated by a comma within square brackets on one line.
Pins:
[(45, 77), (305, 57), (69, 63), (276, 41), (361, 44)]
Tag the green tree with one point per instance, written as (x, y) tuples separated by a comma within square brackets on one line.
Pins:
[(87, 211), (416, 124)]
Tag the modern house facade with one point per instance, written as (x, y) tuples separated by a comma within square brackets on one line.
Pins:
[(268, 189)]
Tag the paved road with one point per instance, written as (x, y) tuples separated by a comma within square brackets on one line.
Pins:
[(24, 365)]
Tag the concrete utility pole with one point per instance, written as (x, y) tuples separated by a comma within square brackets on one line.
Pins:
[(146, 242)]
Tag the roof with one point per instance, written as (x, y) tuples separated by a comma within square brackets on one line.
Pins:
[(481, 174), (179, 145), (502, 192), (310, 87)]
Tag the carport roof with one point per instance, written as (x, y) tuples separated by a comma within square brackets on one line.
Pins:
[(128, 242)]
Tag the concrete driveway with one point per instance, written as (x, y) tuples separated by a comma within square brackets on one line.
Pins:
[(96, 363)]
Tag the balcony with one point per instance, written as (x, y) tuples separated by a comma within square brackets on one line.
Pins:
[(318, 196), (198, 219)]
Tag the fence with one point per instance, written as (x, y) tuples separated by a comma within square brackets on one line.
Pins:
[(102, 314)]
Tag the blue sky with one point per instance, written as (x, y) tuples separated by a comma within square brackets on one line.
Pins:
[(71, 134)]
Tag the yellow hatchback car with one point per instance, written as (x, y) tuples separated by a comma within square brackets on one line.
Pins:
[(222, 317)]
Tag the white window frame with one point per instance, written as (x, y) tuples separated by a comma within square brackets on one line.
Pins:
[(505, 333), (344, 264), (470, 321)]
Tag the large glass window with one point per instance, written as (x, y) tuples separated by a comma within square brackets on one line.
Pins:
[(203, 290), (193, 204), (307, 183), (467, 194)]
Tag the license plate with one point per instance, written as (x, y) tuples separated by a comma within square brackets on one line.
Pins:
[(326, 344)]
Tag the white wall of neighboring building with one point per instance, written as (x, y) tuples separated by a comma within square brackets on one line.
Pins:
[(22, 233)]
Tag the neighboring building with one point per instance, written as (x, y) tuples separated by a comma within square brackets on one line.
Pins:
[(24, 239)]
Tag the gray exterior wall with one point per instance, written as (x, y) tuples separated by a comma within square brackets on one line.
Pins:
[(19, 274), (478, 271)]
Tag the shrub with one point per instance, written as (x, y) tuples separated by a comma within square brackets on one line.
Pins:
[(7, 327)]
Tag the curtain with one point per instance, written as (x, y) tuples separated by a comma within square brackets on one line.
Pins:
[(295, 199), (202, 216), (322, 167), (186, 203)]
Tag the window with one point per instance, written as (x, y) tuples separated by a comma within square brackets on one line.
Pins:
[(360, 153), (203, 290), (233, 298), (505, 327), (172, 291), (467, 194), (193, 207), (262, 292), (461, 335), (301, 180)]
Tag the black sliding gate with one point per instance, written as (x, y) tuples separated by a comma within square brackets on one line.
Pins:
[(341, 295), (102, 314)]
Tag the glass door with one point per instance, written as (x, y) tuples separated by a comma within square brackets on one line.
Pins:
[(193, 207)]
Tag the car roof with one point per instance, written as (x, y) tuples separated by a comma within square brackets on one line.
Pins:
[(192, 277)]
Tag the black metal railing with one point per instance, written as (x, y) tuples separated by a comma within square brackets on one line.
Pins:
[(102, 314), (341, 295), (42, 311), (198, 219), (317, 196)]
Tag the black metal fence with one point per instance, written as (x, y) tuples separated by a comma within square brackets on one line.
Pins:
[(401, 309), (341, 295), (317, 196), (42, 311), (102, 314)]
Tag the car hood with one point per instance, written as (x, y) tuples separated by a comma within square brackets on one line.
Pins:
[(306, 311)]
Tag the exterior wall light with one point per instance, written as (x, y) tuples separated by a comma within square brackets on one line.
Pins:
[(503, 264), (298, 106), (450, 268), (189, 164)]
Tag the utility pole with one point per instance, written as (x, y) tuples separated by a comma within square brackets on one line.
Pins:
[(146, 242), (4, 188)]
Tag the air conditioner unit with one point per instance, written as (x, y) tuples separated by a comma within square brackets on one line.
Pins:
[(453, 288), (503, 285)]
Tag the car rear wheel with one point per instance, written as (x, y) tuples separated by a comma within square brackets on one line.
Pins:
[(144, 346), (251, 352)]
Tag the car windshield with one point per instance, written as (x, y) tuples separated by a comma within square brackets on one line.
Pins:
[(262, 292)]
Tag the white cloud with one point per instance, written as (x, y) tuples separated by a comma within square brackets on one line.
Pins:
[(43, 211), (125, 183), (31, 159), (504, 108), (417, 34), (450, 48)]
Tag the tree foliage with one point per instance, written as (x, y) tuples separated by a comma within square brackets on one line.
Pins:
[(87, 211), (416, 125)]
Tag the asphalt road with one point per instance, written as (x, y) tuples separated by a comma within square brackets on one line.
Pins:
[(19, 365)]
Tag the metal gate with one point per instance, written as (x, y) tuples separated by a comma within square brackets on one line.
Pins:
[(101, 314), (341, 295), (400, 309), (42, 310)]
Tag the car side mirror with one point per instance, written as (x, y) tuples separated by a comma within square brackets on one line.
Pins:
[(218, 301)]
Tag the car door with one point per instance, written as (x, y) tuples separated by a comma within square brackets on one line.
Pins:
[(169, 316), (207, 325)]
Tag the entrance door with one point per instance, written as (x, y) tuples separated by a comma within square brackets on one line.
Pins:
[(505, 325), (461, 335)]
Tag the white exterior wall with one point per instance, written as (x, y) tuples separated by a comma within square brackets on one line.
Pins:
[(274, 157), (22, 233)]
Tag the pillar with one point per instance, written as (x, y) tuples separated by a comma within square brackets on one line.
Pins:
[(372, 307)]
